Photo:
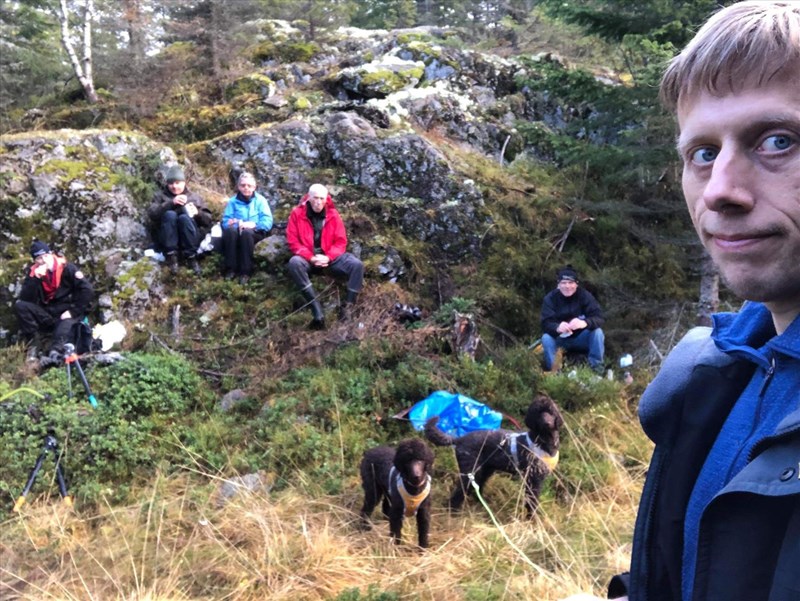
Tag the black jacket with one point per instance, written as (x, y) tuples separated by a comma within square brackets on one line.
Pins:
[(74, 294), (162, 202), (557, 308), (749, 542)]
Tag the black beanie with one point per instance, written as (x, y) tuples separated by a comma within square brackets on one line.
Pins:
[(567, 273), (176, 174), (39, 248)]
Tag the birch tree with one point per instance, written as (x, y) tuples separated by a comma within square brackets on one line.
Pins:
[(81, 66)]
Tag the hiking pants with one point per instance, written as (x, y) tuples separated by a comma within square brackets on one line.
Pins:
[(178, 232), (237, 246), (586, 341), (345, 266)]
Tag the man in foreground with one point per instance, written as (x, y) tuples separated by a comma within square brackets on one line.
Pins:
[(720, 511), (571, 319), (55, 295), (317, 238)]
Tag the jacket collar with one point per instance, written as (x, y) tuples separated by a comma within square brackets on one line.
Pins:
[(742, 334)]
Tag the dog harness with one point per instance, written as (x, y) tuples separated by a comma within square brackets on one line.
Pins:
[(551, 461), (411, 502)]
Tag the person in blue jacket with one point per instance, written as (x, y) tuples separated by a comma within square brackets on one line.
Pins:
[(719, 517), (246, 221)]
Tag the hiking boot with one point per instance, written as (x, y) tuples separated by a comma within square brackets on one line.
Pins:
[(192, 264), (316, 324), (229, 275), (172, 262), (244, 279), (345, 312)]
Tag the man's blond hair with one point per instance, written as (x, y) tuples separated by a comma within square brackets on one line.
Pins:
[(747, 42)]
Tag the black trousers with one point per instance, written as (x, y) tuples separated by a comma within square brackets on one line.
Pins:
[(33, 318), (237, 247), (344, 266), (178, 232)]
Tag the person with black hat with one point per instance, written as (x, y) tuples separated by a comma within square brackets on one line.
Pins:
[(55, 295), (571, 319), (180, 220)]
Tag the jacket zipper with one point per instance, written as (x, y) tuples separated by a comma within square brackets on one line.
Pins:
[(767, 376)]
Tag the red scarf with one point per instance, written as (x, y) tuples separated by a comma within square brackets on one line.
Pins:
[(52, 280)]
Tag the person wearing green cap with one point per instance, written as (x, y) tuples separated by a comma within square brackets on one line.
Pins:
[(180, 220)]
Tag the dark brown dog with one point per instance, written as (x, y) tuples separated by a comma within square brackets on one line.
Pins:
[(532, 454), (402, 479)]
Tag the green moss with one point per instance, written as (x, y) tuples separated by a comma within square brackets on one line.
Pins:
[(302, 103), (286, 52), (253, 83), (73, 170)]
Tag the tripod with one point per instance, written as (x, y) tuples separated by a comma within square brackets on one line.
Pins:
[(70, 358), (50, 446)]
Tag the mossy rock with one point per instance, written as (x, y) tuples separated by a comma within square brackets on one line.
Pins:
[(285, 52), (253, 83), (381, 80)]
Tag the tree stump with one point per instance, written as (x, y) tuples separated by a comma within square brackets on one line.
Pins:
[(465, 338)]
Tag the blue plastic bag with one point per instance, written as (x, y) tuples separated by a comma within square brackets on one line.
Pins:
[(458, 414)]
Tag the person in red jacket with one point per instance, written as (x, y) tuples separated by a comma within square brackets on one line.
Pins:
[(55, 295), (318, 241)]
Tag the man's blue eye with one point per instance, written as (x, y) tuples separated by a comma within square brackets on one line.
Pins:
[(704, 155), (777, 143)]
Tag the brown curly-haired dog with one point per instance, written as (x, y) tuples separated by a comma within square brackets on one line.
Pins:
[(401, 477), (532, 454)]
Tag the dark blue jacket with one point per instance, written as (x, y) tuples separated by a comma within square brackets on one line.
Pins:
[(557, 308), (749, 540)]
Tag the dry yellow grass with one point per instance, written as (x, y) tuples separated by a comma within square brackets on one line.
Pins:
[(178, 544)]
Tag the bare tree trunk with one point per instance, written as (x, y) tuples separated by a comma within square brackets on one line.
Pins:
[(709, 292), (134, 19), (82, 71)]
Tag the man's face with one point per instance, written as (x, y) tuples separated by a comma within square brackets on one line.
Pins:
[(247, 186), (741, 179), (46, 259), (177, 186), (317, 200), (567, 287)]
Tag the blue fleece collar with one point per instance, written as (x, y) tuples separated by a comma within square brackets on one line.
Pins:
[(742, 334)]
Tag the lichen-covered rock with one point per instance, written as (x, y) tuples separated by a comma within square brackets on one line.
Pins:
[(137, 288), (85, 192), (253, 83), (280, 156), (378, 78)]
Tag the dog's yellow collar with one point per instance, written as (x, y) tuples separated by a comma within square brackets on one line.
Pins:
[(411, 502)]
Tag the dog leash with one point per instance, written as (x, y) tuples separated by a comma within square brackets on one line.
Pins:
[(510, 542)]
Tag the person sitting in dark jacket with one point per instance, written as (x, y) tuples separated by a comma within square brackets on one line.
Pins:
[(55, 295), (181, 219), (571, 319)]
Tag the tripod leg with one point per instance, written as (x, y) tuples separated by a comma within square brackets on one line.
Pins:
[(92, 399), (69, 381), (62, 483), (31, 479)]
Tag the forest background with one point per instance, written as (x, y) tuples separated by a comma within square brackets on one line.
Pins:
[(159, 469)]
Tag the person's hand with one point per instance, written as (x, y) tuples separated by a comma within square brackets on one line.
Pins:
[(66, 315), (40, 271), (564, 328), (232, 222), (576, 323), (247, 225), (320, 261), (179, 200), (191, 210)]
